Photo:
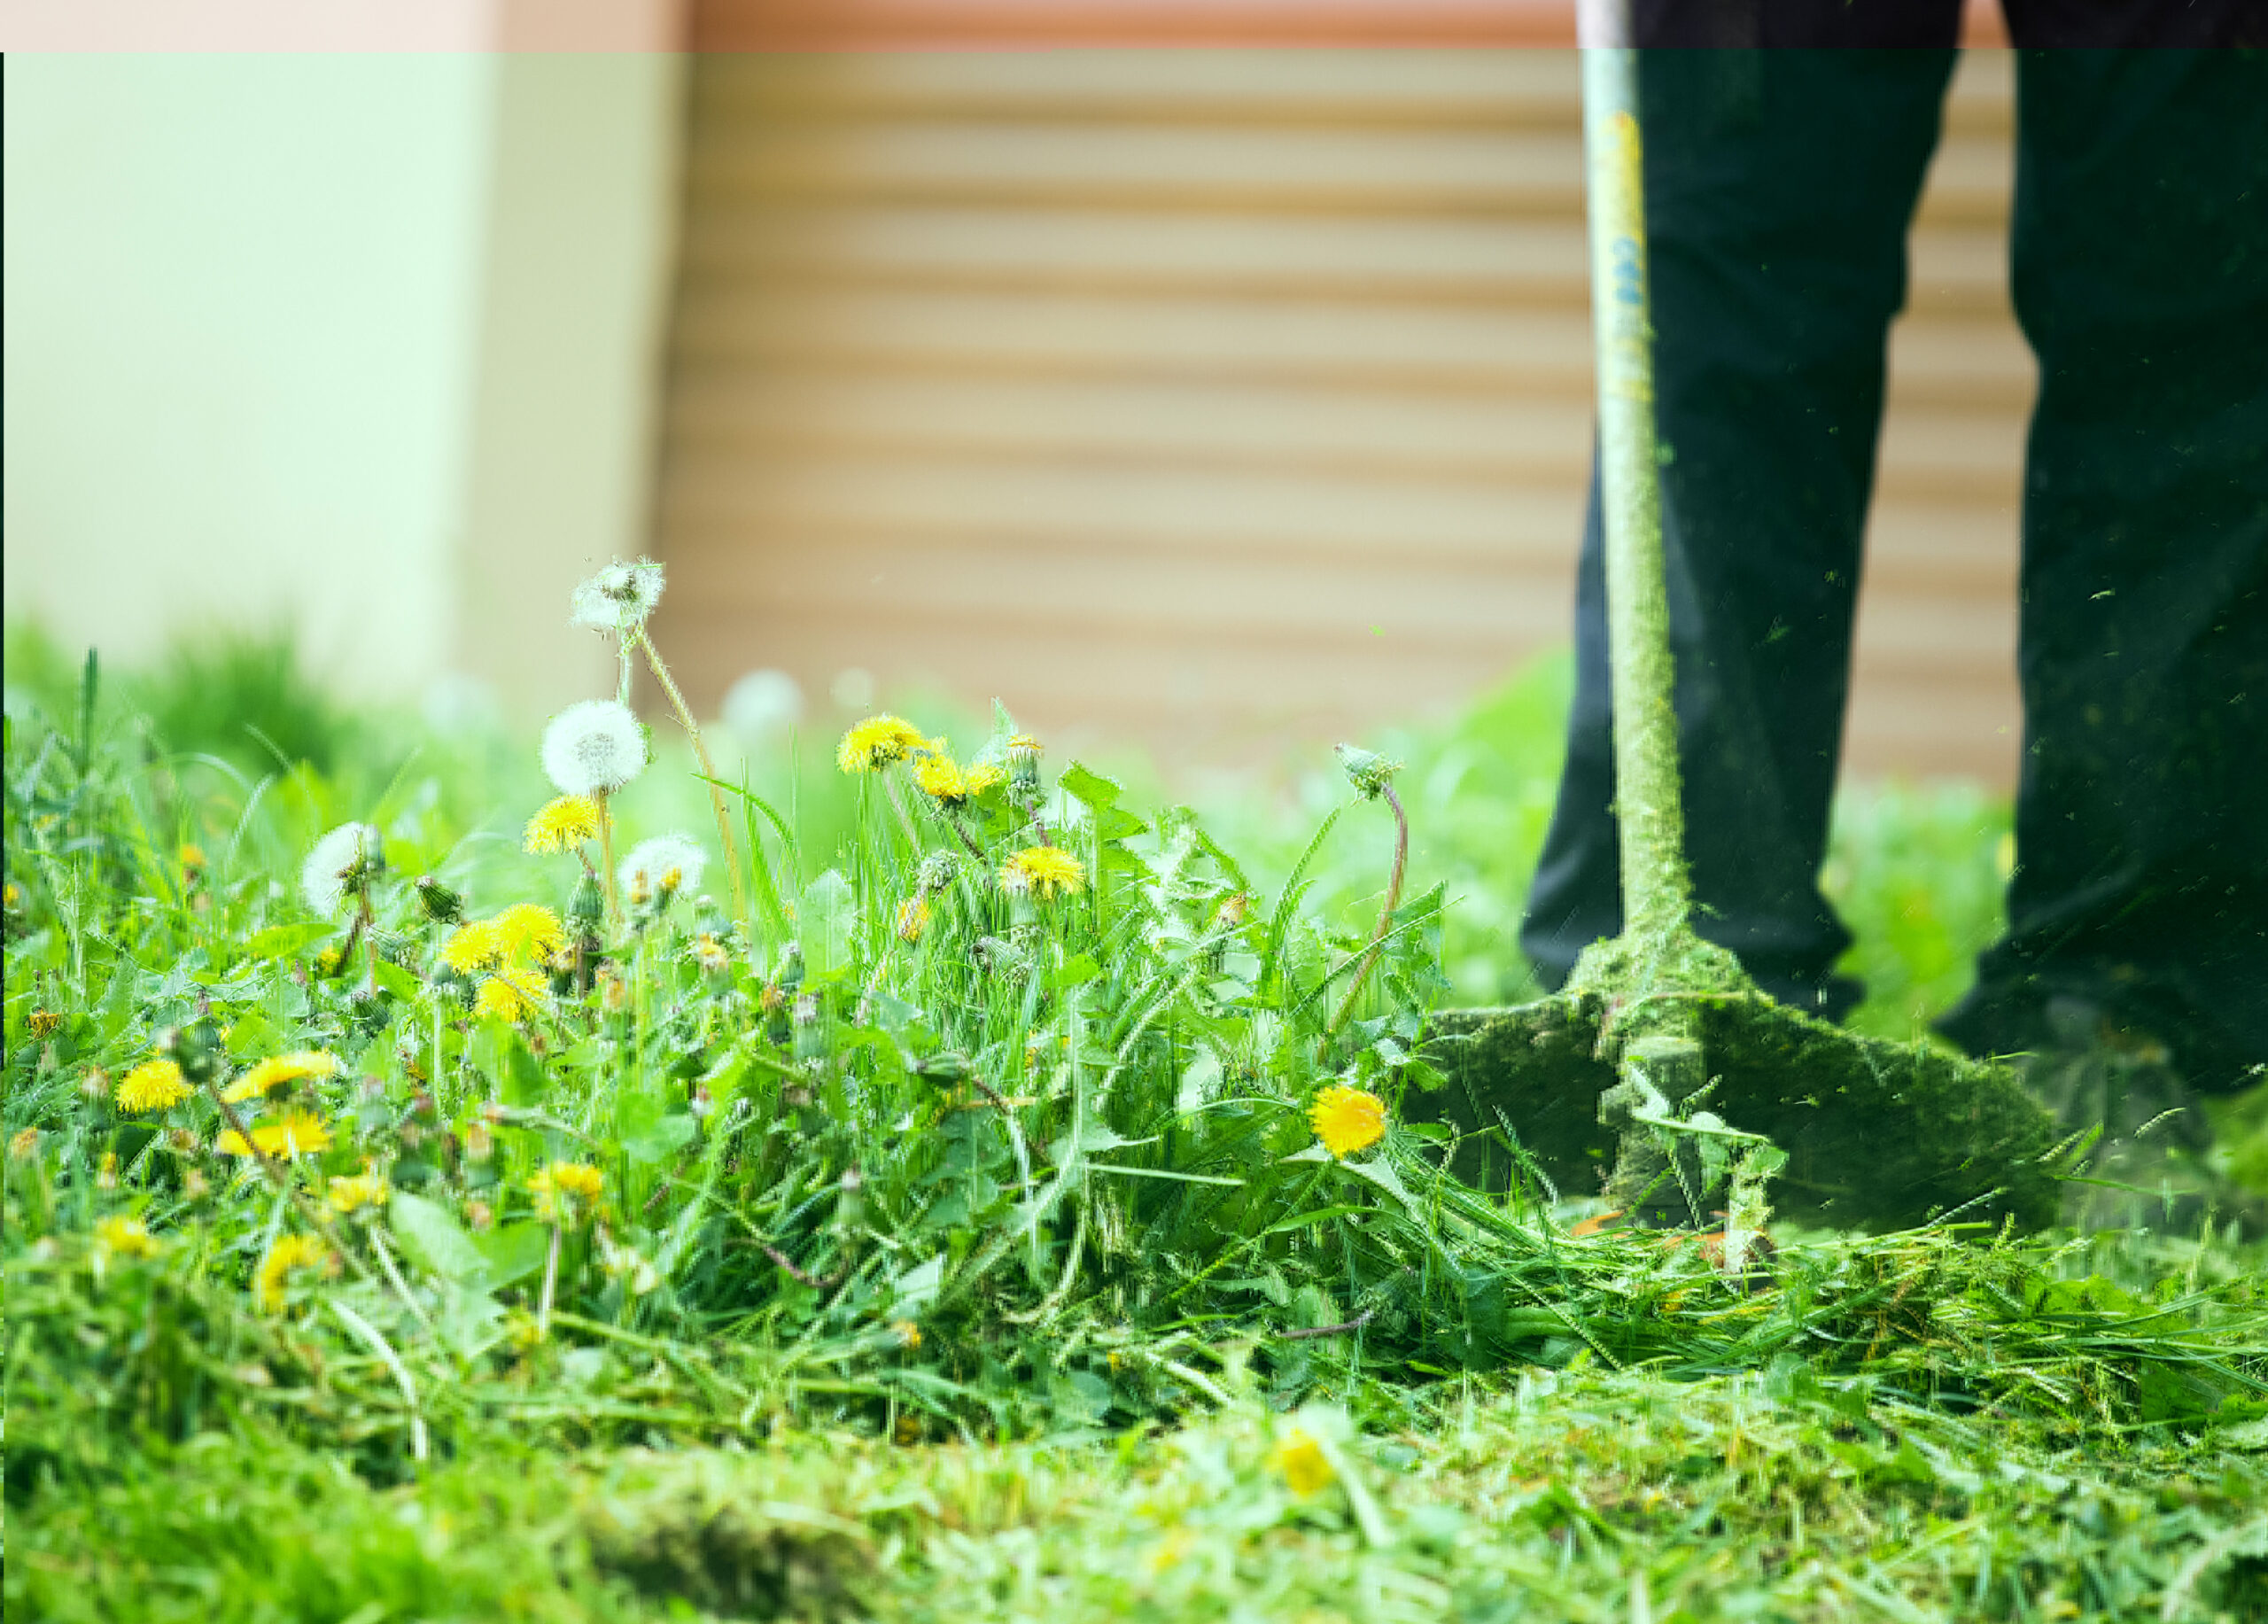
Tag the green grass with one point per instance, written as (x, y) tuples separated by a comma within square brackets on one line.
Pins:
[(984, 1272)]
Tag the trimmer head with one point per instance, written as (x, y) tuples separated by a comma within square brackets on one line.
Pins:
[(1878, 1135)]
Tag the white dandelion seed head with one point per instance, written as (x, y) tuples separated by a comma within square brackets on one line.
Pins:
[(324, 877), (593, 748), (620, 597), (651, 862)]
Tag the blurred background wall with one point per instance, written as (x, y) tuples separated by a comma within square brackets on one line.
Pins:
[(359, 342), (1218, 396)]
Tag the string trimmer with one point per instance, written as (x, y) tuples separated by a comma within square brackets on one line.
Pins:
[(1660, 1049)]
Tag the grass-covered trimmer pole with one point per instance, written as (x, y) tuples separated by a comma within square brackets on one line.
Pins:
[(1875, 1132)]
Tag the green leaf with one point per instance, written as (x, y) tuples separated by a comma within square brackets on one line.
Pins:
[(1302, 1220), (250, 1034), (918, 1286), (1116, 823), (280, 941), (1078, 968), (824, 919), (394, 979), (657, 1143), (513, 1251), (1090, 788), (1380, 1172), (436, 1241)]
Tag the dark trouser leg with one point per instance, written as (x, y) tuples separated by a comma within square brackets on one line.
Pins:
[(2141, 278), (1779, 186)]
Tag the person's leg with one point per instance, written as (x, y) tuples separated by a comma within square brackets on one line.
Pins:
[(2141, 279), (1779, 186)]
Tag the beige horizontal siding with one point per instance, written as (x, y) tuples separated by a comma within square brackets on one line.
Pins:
[(1233, 401)]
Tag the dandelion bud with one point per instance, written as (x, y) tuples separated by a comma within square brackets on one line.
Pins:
[(614, 993), (851, 1199), (107, 1171), (587, 906), (478, 1215), (45, 1023), (710, 955), (442, 906), (912, 919), (811, 1039), (23, 1145), (479, 1143), (1233, 911), (1023, 763), (1368, 771), (936, 872), (945, 1068), (183, 1141), (791, 968)]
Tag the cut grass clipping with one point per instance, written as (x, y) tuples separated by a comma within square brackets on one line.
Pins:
[(399, 1227)]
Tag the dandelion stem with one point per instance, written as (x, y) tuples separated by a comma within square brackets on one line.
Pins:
[(1386, 918), (1341, 1329), (606, 860), (550, 1284), (401, 1287), (708, 770)]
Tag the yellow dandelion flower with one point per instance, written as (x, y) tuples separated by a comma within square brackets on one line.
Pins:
[(908, 1333), (291, 1255), (297, 1133), (24, 1146), (912, 919), (510, 993), (562, 826), (472, 947), (984, 775), (364, 1189), (877, 741), (1024, 744), (126, 1238), (11, 896), (559, 1187), (711, 955), (193, 856), (107, 1171), (938, 776), (530, 932), (45, 1023), (1046, 871), (1347, 1119), (153, 1085), (1300, 1461), (279, 1070)]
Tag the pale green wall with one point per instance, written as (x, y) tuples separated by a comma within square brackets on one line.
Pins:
[(361, 343)]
